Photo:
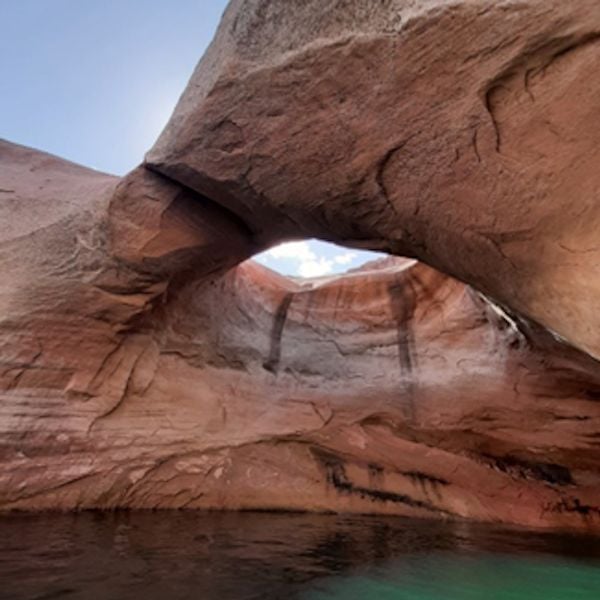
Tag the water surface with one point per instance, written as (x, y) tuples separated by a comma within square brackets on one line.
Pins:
[(244, 556)]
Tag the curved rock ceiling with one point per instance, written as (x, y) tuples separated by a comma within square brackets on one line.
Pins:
[(415, 128), (140, 367)]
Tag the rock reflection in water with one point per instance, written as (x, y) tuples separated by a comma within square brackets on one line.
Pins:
[(206, 556)]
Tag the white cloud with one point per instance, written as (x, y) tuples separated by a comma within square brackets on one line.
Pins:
[(345, 259), (305, 260), (309, 264), (295, 250), (315, 268)]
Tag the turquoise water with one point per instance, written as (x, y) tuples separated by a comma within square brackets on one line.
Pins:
[(441, 577), (252, 556)]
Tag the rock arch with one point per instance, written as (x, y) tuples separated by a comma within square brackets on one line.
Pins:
[(140, 367), (461, 133)]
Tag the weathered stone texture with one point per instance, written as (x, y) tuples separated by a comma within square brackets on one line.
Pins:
[(145, 363)]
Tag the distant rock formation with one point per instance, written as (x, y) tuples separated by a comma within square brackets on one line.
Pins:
[(146, 363)]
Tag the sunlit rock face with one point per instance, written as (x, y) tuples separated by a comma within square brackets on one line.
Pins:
[(146, 363), (462, 133), (139, 370)]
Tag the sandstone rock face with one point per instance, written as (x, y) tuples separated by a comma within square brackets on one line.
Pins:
[(139, 371), (462, 133), (146, 363)]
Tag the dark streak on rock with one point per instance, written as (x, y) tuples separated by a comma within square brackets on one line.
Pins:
[(402, 295), (272, 363), (548, 472), (403, 303), (422, 478), (337, 477), (574, 505)]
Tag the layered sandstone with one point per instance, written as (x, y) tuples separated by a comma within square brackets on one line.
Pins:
[(146, 363), (412, 126)]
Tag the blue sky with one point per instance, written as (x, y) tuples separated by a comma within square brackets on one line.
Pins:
[(313, 258), (94, 81)]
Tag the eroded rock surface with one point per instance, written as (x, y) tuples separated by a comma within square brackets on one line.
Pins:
[(462, 133), (139, 371), (145, 363)]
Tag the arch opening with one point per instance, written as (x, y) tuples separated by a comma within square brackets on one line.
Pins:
[(310, 258)]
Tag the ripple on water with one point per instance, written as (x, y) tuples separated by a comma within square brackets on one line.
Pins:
[(247, 556)]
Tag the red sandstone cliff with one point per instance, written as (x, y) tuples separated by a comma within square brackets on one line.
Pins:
[(145, 363)]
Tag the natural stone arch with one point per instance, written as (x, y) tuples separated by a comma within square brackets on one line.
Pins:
[(139, 367), (140, 370), (462, 133)]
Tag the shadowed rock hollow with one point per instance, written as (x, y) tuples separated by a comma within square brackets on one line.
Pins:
[(144, 363)]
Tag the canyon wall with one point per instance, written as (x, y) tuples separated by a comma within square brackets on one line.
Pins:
[(145, 362)]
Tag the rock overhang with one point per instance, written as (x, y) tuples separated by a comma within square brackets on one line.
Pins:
[(145, 364), (373, 127)]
